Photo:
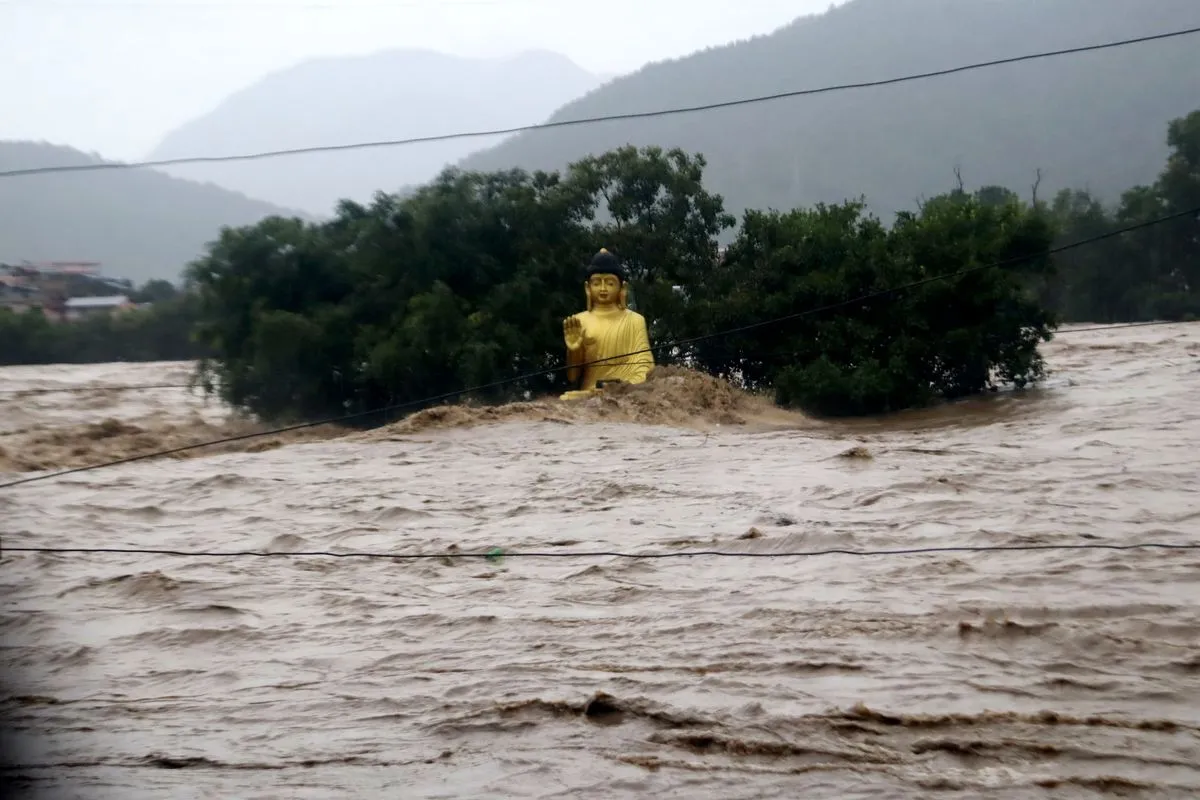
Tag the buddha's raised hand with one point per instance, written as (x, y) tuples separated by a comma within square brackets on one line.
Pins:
[(573, 333)]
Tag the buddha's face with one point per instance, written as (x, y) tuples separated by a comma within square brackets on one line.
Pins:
[(605, 289)]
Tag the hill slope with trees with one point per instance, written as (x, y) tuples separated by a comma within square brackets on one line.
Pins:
[(140, 224), (1089, 121)]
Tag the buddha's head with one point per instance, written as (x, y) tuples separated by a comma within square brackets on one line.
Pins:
[(605, 283)]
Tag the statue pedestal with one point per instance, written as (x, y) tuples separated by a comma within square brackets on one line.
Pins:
[(582, 394)]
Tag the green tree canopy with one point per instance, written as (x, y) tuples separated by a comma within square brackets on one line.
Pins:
[(466, 281), (943, 338), (463, 282), (1152, 273)]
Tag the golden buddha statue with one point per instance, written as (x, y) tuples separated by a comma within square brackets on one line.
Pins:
[(607, 332)]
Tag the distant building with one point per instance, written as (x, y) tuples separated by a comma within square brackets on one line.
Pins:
[(16, 296), (17, 291), (77, 308), (91, 268), (49, 285)]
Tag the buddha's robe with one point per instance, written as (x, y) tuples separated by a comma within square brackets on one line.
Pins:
[(610, 334)]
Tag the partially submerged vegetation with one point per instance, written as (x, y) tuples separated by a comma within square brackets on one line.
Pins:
[(465, 282)]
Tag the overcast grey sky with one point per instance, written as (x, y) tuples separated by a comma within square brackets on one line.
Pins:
[(113, 76)]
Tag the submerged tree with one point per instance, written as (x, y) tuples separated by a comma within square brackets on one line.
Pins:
[(462, 283), (937, 321)]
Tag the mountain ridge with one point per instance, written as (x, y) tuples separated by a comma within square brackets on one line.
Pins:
[(1083, 119), (140, 224), (371, 97)]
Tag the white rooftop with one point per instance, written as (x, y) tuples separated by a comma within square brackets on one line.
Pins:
[(97, 302)]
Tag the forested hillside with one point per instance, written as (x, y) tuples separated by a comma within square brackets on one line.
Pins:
[(1091, 121)]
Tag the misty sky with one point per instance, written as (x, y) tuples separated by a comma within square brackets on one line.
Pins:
[(113, 76)]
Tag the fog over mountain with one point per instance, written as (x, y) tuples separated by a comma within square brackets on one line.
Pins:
[(391, 95), (139, 223)]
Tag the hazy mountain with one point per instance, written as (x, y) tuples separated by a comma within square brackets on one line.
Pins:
[(1095, 120), (391, 95), (140, 224)]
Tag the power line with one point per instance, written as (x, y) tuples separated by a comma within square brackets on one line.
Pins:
[(1120, 325), (594, 120), (552, 370), (497, 554)]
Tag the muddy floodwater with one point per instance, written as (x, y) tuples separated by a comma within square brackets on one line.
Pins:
[(1064, 674)]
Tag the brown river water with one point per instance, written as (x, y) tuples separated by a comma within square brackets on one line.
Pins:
[(1061, 674)]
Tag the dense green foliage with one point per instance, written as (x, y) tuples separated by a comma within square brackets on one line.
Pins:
[(466, 282), (946, 338), (1152, 273), (162, 332), (463, 283)]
